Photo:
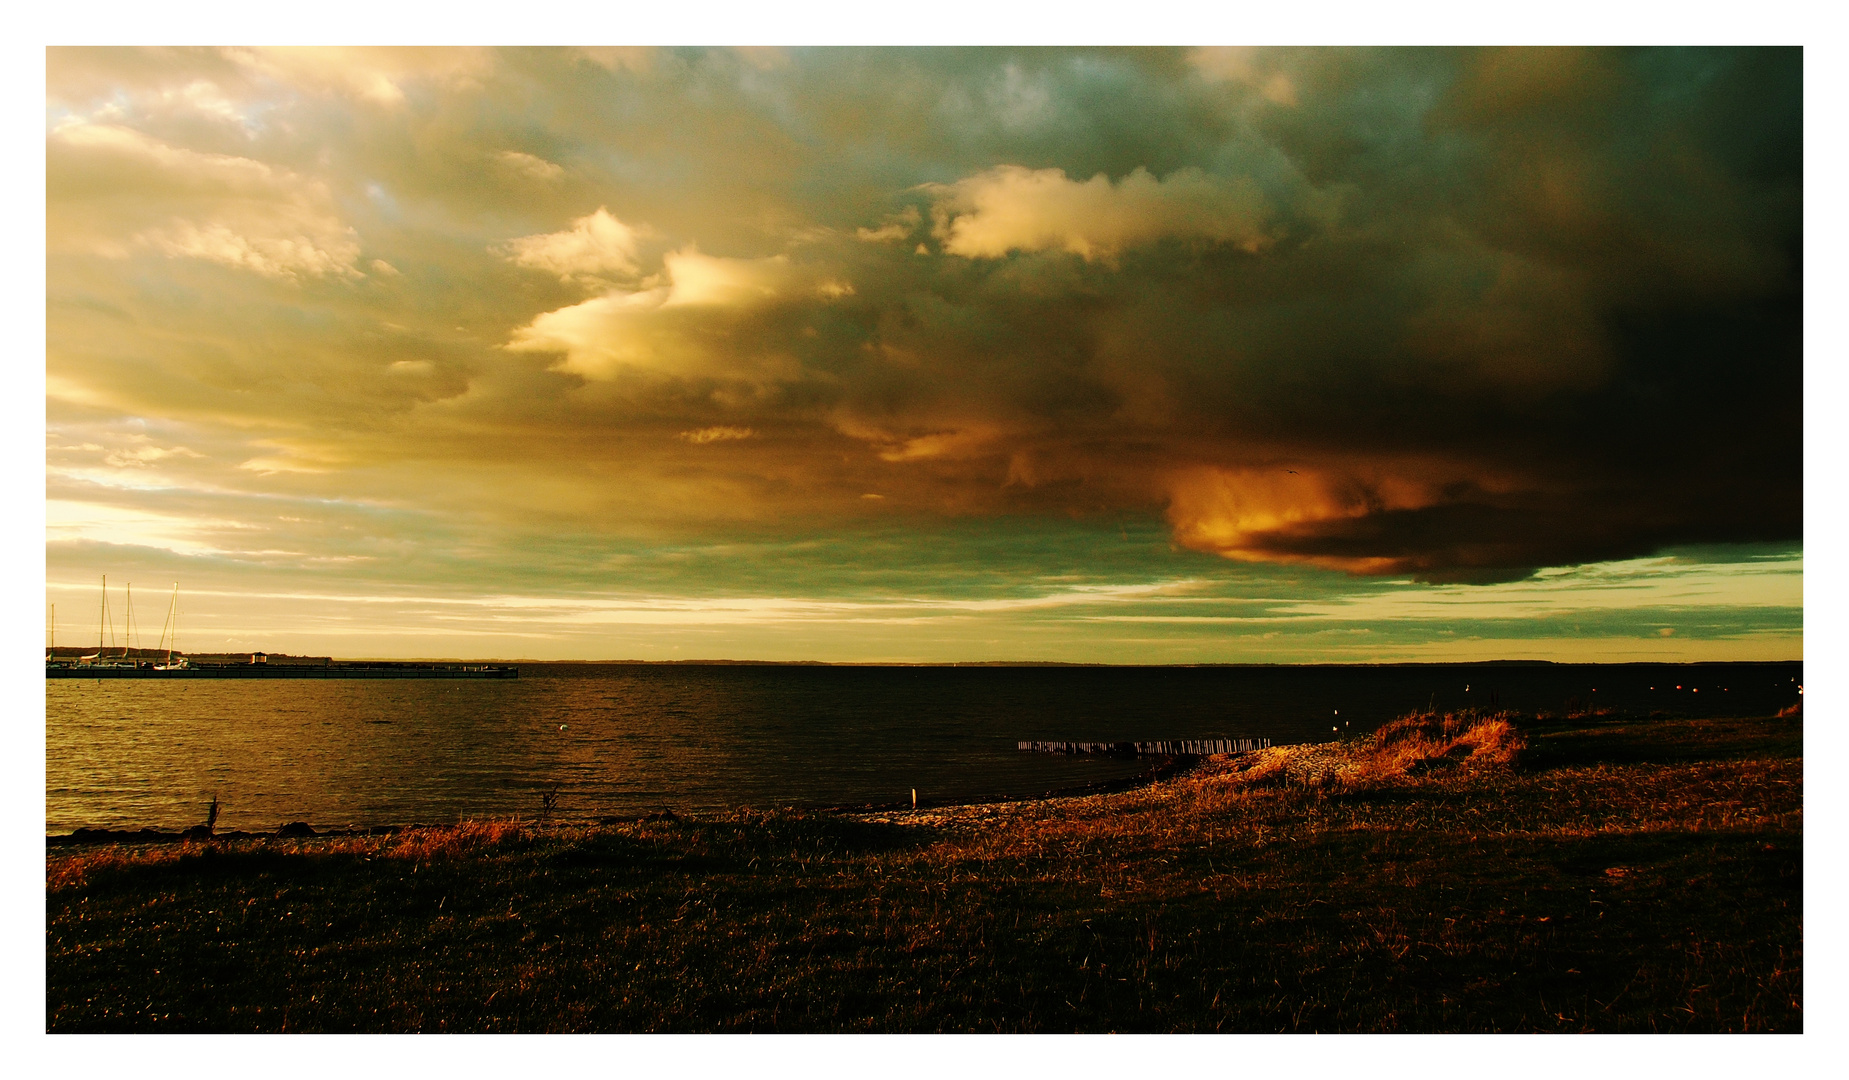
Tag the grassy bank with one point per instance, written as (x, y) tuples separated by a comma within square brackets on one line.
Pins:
[(1447, 874)]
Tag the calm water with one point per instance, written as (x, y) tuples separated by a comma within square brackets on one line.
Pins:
[(629, 739)]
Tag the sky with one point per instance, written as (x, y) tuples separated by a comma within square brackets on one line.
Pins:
[(1133, 356)]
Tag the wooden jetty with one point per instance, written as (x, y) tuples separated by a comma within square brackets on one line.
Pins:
[(1168, 747)]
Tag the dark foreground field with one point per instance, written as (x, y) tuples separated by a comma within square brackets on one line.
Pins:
[(1593, 874)]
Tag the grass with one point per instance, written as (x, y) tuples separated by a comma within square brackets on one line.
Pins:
[(1462, 873)]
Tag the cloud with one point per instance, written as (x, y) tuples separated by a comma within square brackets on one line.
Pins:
[(210, 100), (1452, 314), (376, 75), (145, 454), (1010, 208), (115, 191), (529, 166), (1666, 583), (707, 320), (706, 281), (185, 533), (620, 59), (596, 245), (1260, 69), (899, 226), (718, 434), (1240, 513), (283, 256)]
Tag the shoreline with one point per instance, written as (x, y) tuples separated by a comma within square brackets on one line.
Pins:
[(1450, 873), (1165, 767)]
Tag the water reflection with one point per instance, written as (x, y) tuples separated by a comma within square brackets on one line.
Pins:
[(624, 740)]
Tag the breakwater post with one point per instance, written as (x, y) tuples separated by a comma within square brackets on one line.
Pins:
[(1163, 746)]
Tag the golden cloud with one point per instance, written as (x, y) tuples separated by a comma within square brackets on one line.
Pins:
[(595, 246), (1011, 208), (114, 191), (529, 166), (899, 226), (1239, 513), (1476, 301), (375, 74), (718, 434), (699, 323)]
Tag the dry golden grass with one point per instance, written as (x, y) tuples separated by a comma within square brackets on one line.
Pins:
[(74, 868), (452, 841), (1613, 875), (1402, 750)]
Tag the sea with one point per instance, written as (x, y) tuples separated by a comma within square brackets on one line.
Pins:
[(581, 742)]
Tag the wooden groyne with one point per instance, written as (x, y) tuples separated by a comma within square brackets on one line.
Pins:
[(1165, 746)]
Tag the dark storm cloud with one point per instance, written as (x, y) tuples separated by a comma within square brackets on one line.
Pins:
[(1455, 314)]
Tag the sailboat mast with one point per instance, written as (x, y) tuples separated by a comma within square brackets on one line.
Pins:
[(173, 621), (102, 618), (128, 616)]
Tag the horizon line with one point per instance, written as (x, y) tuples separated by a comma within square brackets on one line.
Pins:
[(728, 662)]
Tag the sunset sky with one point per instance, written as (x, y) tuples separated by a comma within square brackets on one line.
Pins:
[(1146, 356)]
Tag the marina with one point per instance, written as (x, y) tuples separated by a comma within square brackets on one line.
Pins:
[(165, 661), (261, 670)]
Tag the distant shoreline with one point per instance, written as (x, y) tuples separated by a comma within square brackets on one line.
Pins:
[(66, 653), (525, 661)]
